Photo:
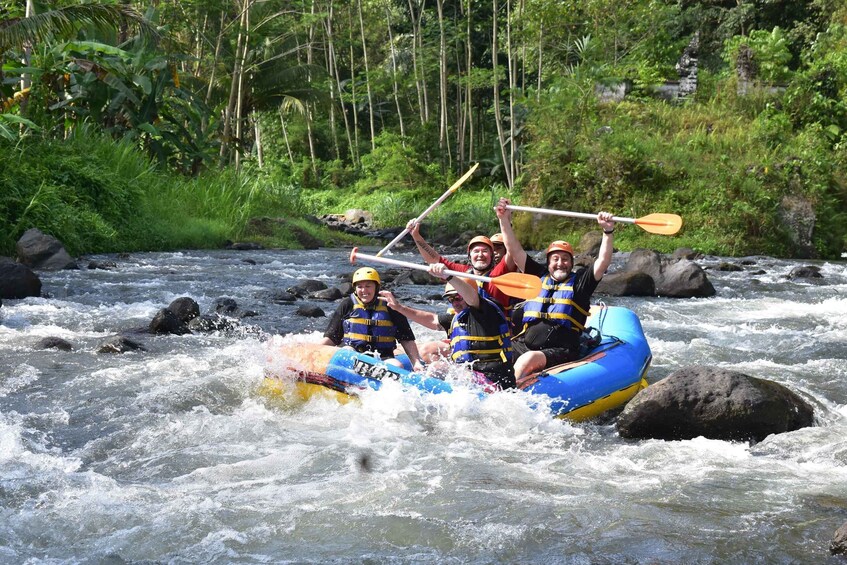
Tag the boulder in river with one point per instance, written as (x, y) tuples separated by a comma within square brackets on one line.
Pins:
[(54, 343), (627, 283), (119, 344), (805, 272), (307, 287), (838, 545), (310, 311), (18, 281), (714, 403), (41, 251), (674, 279)]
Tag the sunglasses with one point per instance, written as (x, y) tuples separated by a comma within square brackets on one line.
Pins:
[(454, 298)]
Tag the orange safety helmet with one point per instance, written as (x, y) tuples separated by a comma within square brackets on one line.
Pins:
[(497, 238), (559, 245), (480, 239)]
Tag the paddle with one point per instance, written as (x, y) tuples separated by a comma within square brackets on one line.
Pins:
[(662, 224), (518, 285), (434, 205)]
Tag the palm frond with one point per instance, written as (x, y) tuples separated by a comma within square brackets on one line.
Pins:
[(65, 22)]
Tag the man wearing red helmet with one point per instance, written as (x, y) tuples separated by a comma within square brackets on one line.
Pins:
[(553, 321)]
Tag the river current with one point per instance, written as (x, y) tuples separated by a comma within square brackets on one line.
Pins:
[(172, 455)]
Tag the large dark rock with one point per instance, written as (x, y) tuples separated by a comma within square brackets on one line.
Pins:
[(213, 323), (18, 281), (805, 272), (714, 403), (328, 294), (797, 218), (307, 287), (838, 545), (41, 251), (166, 322), (673, 278), (310, 311), (119, 344), (627, 283), (229, 307), (185, 308), (54, 343)]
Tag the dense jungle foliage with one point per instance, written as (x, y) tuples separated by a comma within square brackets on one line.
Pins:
[(143, 126)]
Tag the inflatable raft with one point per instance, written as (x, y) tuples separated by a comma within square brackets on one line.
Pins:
[(610, 373)]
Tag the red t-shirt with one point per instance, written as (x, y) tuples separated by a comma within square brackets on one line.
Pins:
[(499, 269)]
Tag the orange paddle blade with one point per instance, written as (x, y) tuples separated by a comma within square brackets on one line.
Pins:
[(518, 285), (662, 224)]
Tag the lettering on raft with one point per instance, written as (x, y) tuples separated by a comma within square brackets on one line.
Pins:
[(373, 371)]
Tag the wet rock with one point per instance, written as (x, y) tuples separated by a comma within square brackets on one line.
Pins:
[(685, 253), (310, 311), (684, 279), (328, 294), (346, 288), (729, 267), (281, 296), (805, 272), (119, 344), (166, 322), (248, 261), (38, 250), (589, 243), (54, 343), (212, 323), (229, 307), (18, 281), (714, 403), (838, 545), (104, 265), (307, 287), (411, 277), (627, 283), (185, 308)]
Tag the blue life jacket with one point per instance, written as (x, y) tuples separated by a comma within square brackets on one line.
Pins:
[(469, 341), (369, 328), (555, 304)]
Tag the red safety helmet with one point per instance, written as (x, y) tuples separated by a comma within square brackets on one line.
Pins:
[(559, 245), (497, 238)]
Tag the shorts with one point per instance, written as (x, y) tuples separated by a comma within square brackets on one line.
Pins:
[(554, 355)]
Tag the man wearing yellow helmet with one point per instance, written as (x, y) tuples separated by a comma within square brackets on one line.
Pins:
[(364, 322), (553, 322)]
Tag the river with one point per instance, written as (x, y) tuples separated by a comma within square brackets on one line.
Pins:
[(172, 456)]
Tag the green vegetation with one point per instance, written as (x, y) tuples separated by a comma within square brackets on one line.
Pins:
[(196, 122)]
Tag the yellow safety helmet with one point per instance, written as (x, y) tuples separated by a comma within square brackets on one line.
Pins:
[(480, 239), (497, 238), (366, 274), (559, 245)]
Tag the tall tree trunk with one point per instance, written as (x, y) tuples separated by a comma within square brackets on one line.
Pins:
[(498, 116), (540, 61), (218, 42), (257, 134), (416, 71), (26, 80), (239, 103), (310, 61), (367, 75), (353, 78), (513, 71), (233, 89), (443, 143), (468, 91), (393, 55), (285, 135), (417, 18), (336, 90)]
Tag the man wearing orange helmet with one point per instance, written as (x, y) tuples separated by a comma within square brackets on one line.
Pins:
[(499, 247), (553, 321), (364, 322), (481, 257)]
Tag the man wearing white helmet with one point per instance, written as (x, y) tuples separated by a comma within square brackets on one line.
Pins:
[(553, 321), (364, 322)]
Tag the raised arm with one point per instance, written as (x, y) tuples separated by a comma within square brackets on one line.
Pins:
[(604, 257), (422, 317), (429, 254), (514, 252)]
